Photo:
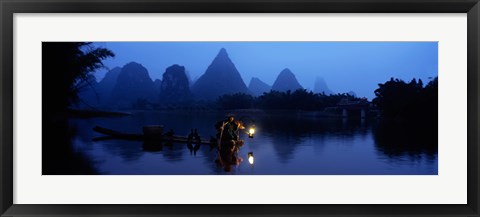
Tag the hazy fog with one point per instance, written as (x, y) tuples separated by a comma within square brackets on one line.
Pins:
[(345, 66)]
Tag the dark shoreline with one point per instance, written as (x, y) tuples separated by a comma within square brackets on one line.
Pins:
[(82, 113)]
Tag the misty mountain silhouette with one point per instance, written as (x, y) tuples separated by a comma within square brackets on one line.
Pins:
[(174, 86), (258, 87), (97, 94), (105, 86), (157, 85), (320, 86), (108, 82), (133, 83), (285, 81), (221, 77)]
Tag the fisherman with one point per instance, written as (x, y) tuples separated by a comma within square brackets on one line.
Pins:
[(196, 136), (190, 136), (228, 129), (229, 138)]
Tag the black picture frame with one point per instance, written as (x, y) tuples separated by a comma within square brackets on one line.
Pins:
[(9, 7)]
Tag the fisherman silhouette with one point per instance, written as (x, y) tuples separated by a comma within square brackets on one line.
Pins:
[(228, 129), (190, 136), (196, 136)]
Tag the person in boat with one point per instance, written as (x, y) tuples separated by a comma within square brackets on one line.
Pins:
[(196, 137), (229, 139), (228, 129), (190, 136)]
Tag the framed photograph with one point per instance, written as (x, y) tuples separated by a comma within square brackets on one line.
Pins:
[(200, 108)]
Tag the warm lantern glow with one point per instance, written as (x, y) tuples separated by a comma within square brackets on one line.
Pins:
[(251, 132), (250, 157)]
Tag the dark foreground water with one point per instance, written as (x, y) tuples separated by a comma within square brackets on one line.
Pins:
[(285, 143)]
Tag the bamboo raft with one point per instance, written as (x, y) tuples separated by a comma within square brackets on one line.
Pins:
[(112, 134)]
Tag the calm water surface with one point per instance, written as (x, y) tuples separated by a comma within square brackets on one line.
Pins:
[(285, 143)]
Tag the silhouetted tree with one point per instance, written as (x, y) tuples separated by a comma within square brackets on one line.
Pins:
[(407, 101), (300, 99), (304, 100), (66, 67), (430, 100), (235, 101)]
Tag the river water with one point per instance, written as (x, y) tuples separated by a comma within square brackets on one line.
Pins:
[(285, 143)]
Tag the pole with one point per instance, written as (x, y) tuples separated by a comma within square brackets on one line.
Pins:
[(219, 141)]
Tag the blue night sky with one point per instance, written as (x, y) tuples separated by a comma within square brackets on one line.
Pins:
[(345, 66)]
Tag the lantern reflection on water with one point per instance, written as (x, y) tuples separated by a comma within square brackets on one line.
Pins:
[(250, 157)]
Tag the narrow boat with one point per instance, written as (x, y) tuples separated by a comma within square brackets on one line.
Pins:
[(113, 134)]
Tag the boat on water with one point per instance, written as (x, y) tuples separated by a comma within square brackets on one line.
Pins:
[(227, 150), (150, 133)]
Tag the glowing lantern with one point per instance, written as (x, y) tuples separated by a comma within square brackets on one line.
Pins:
[(250, 157), (251, 132)]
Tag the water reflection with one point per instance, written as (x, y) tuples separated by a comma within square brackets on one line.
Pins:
[(152, 146), (59, 155), (175, 152), (412, 140), (195, 149), (295, 130), (284, 143)]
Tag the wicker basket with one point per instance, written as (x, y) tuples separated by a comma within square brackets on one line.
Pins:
[(153, 130)]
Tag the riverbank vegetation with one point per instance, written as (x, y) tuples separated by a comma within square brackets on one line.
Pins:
[(412, 101)]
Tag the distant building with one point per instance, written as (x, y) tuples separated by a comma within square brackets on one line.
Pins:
[(354, 108)]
